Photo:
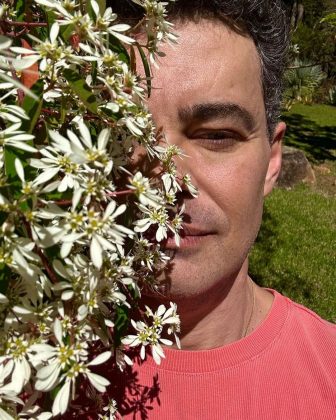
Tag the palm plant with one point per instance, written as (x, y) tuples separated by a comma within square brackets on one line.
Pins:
[(301, 81)]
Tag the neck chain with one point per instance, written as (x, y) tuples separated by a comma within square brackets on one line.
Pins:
[(252, 308)]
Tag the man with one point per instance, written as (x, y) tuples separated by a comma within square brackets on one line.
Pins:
[(247, 352)]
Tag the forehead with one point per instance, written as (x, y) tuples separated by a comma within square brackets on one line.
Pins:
[(210, 63)]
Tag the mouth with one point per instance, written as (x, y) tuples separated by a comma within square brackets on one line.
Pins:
[(190, 237)]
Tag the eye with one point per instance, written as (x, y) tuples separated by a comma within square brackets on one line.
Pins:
[(218, 139)]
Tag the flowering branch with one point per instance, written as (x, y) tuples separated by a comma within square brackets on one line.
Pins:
[(74, 253)]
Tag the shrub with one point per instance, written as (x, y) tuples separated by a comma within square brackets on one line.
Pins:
[(301, 82)]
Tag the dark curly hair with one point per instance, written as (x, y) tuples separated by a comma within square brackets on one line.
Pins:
[(265, 21)]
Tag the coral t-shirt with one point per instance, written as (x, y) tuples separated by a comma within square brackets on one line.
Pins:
[(285, 369)]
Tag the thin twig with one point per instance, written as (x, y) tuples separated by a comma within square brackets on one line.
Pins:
[(17, 34), (47, 266), (137, 26), (111, 194), (20, 91), (119, 193), (52, 275), (26, 24)]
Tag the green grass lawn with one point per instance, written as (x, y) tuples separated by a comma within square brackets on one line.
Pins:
[(312, 128), (296, 249)]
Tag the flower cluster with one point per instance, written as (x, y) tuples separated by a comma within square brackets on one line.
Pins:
[(151, 334), (81, 221)]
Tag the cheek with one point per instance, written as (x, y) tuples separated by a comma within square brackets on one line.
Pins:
[(234, 184)]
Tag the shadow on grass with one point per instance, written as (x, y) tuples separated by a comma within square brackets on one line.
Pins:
[(317, 141), (266, 272)]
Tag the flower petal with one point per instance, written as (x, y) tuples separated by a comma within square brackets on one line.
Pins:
[(96, 252), (58, 331), (54, 32), (62, 400), (102, 358), (99, 382)]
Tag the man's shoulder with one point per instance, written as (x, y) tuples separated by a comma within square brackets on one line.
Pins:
[(309, 318), (306, 327)]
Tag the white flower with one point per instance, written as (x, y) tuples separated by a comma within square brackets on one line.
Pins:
[(149, 255), (12, 113), (156, 216), (65, 362), (110, 410), (103, 23), (56, 159), (58, 357), (54, 4), (15, 357), (147, 196), (157, 27), (150, 335), (45, 51), (97, 156), (122, 359), (8, 399), (16, 138), (187, 182)]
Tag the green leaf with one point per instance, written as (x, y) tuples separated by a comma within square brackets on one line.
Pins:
[(52, 252), (33, 107), (90, 11), (147, 70), (117, 47), (94, 73), (5, 274), (114, 116), (51, 18), (331, 18), (40, 133), (20, 9), (52, 394), (102, 6), (10, 155), (66, 31), (12, 178), (80, 87), (121, 323)]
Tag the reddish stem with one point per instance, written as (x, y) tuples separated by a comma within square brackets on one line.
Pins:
[(26, 24), (47, 266), (111, 194), (49, 111), (16, 34), (118, 193), (49, 270), (86, 116), (20, 91)]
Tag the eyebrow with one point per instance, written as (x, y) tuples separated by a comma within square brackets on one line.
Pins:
[(209, 111)]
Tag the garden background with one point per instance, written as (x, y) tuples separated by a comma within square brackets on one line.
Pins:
[(295, 252)]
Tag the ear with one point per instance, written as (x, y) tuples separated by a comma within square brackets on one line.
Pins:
[(274, 165)]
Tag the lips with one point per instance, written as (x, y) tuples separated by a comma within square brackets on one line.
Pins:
[(189, 230), (191, 236)]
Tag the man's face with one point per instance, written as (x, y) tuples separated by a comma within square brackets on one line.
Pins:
[(207, 98)]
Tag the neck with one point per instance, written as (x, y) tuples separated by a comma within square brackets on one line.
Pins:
[(224, 315)]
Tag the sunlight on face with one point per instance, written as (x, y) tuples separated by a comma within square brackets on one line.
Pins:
[(208, 100)]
